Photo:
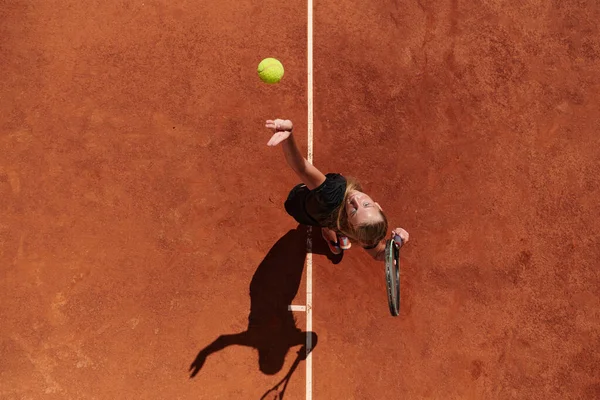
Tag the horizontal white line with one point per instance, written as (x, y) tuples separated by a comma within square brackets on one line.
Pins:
[(295, 307)]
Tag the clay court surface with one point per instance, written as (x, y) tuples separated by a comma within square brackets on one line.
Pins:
[(141, 212)]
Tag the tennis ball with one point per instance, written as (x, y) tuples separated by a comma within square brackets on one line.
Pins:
[(270, 70)]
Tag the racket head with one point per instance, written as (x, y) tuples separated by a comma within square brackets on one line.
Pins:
[(392, 275)]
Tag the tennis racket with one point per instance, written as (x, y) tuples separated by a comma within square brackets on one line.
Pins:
[(392, 275), (277, 391)]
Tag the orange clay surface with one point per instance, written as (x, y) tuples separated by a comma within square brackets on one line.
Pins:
[(141, 212)]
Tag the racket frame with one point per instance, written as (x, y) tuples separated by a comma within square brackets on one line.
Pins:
[(392, 252)]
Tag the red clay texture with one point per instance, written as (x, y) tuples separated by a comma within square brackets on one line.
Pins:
[(144, 249)]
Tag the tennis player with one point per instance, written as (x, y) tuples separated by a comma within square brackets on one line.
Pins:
[(333, 202)]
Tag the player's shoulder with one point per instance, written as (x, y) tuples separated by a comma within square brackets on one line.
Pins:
[(335, 176), (332, 179), (332, 190)]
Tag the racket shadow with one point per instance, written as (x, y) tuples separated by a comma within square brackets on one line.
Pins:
[(272, 329)]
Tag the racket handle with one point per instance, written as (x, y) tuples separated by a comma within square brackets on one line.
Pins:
[(398, 239)]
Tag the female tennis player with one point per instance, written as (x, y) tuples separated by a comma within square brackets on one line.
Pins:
[(332, 202)]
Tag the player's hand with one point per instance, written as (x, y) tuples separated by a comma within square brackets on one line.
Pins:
[(282, 129), (400, 236)]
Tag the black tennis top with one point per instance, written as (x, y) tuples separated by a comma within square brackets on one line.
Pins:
[(316, 207)]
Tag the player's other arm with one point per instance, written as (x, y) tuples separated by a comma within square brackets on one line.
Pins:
[(378, 252), (307, 172), (399, 235)]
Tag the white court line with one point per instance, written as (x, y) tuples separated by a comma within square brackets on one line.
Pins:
[(295, 307), (309, 289)]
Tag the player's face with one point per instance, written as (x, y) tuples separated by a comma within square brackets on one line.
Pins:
[(360, 208)]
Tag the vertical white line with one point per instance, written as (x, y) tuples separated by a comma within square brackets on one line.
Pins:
[(309, 238), (310, 81), (309, 317)]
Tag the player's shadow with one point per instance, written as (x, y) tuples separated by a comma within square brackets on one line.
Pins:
[(272, 329)]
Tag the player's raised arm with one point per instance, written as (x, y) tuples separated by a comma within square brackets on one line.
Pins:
[(307, 172)]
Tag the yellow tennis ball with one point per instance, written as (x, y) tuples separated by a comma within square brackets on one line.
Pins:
[(270, 70)]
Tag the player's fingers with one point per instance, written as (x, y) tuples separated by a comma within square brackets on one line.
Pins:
[(404, 236), (273, 140), (280, 137)]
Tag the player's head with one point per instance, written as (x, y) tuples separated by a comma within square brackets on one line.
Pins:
[(271, 360), (361, 218)]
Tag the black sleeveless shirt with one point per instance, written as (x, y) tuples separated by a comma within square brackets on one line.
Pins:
[(315, 207)]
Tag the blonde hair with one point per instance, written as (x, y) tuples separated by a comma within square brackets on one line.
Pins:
[(368, 234)]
